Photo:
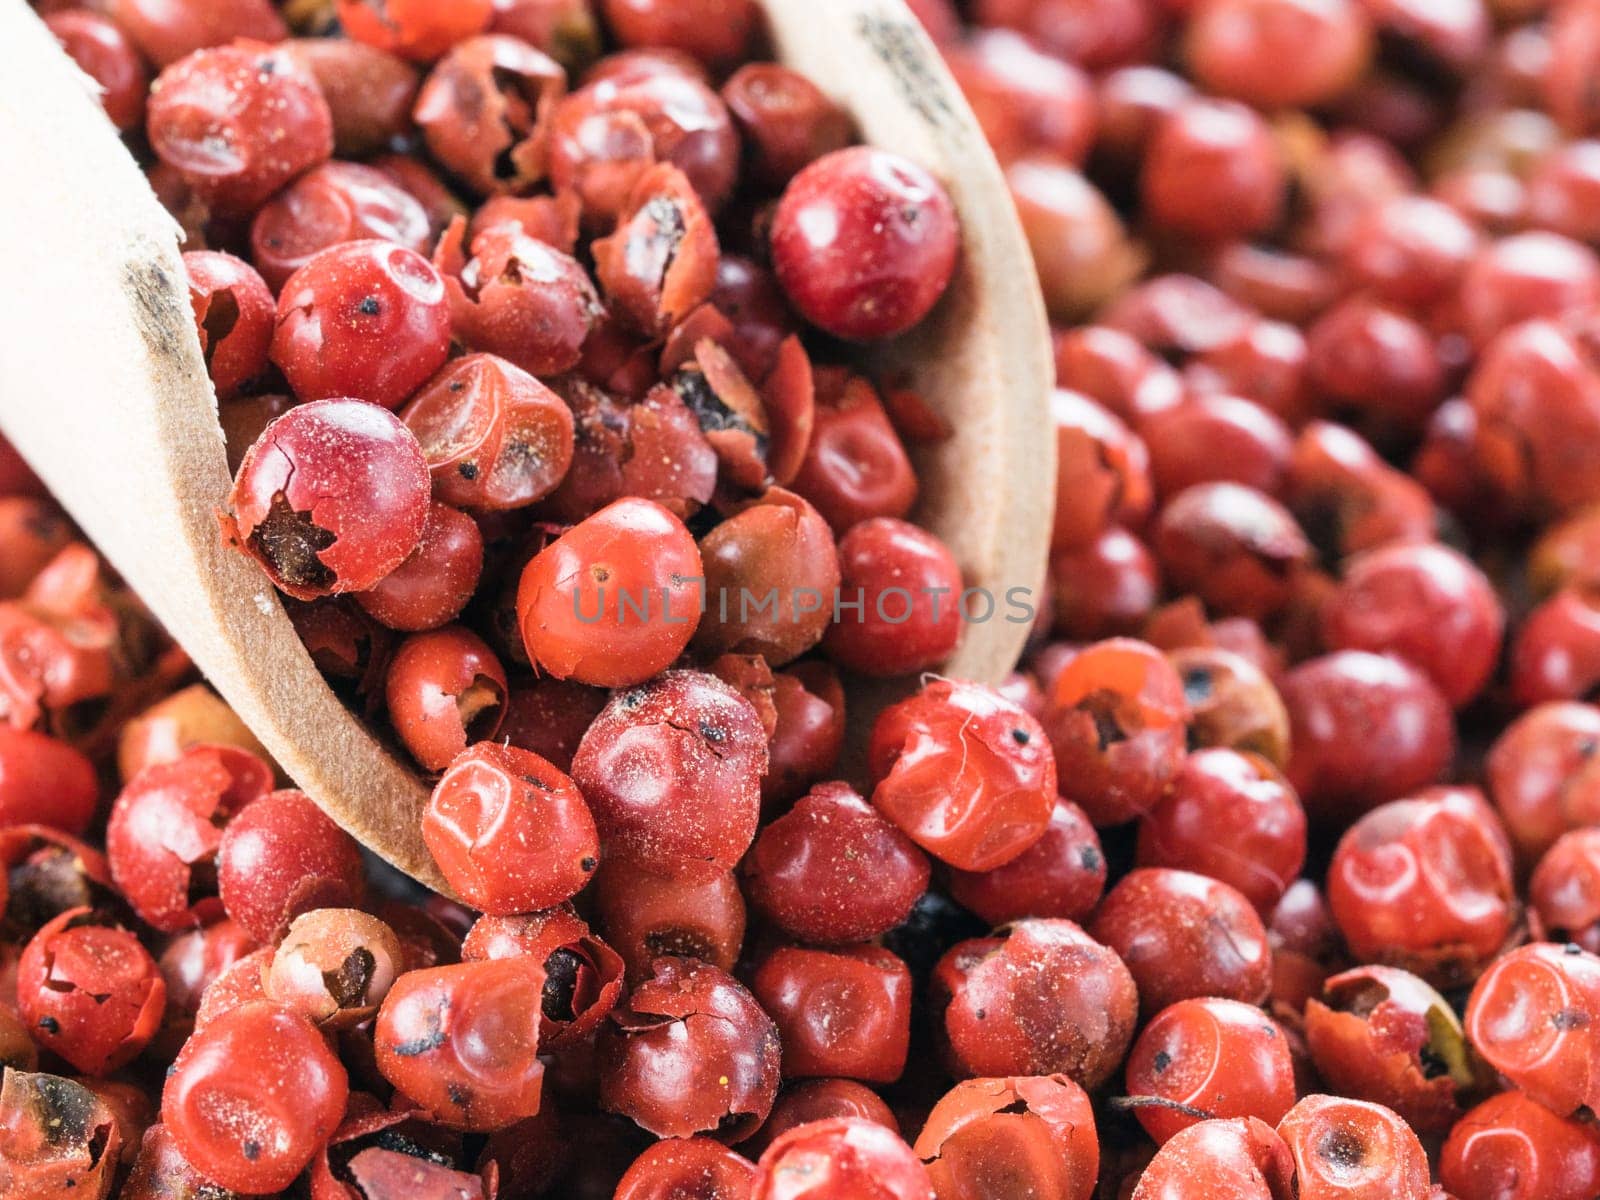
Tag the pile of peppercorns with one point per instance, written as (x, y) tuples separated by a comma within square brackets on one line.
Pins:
[(536, 328)]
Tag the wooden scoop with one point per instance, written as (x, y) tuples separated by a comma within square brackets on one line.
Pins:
[(104, 391)]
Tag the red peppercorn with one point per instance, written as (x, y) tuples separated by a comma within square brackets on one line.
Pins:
[(1026, 101), (334, 966), (367, 319), (845, 1158), (1366, 728), (1511, 1148), (690, 1051), (1426, 604), (1209, 1056), (690, 1168), (1060, 875), (368, 90), (671, 770), (715, 32), (864, 243), (1525, 276), (1035, 1132), (484, 112), (778, 554), (606, 135), (1556, 653), (1411, 250), (905, 592), (840, 1013), (252, 1096), (855, 466), (104, 53), (421, 30), (331, 204), (237, 122), (166, 827), (965, 773), (1564, 891), (42, 1152), (1041, 997), (1183, 935), (1239, 1158), (1279, 53), (611, 601), (1352, 1150), (510, 831), (787, 121), (528, 303), (1233, 817), (833, 870), (331, 498), (820, 1100), (445, 690), (582, 975), (462, 1041), (1212, 172), (435, 583), (233, 314), (1234, 547), (1425, 883), (1115, 717), (808, 731), (280, 857), (1530, 1015), (1543, 776), (44, 781), (1381, 1034), (89, 992), (688, 911)]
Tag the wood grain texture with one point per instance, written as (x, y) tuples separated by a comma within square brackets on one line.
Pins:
[(103, 388)]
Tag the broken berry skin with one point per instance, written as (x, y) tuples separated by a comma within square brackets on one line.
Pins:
[(1033, 1130), (233, 314), (89, 992), (330, 499), (690, 1052)]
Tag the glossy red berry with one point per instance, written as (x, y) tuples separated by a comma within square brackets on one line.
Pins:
[(1425, 883), (839, 1158), (615, 599), (462, 1041), (1035, 1132), (233, 314), (840, 1013), (367, 319), (1233, 817), (1512, 1148), (166, 827), (1060, 875), (965, 773), (1353, 1150), (1212, 1056), (282, 856), (237, 122), (832, 870), (445, 690), (903, 590), (252, 1096), (44, 781), (690, 1052), (1530, 1015), (671, 770), (510, 831), (1041, 997), (1239, 1158), (331, 498), (696, 1168), (864, 243), (1115, 717)]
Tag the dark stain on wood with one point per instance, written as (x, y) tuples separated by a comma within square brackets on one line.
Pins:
[(901, 48)]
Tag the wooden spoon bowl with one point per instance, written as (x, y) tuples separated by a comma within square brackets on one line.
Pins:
[(104, 391)]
